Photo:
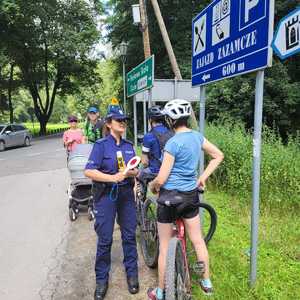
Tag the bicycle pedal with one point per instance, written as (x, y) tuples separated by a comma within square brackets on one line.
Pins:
[(199, 268)]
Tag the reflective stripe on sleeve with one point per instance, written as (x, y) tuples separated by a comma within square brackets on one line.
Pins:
[(146, 150)]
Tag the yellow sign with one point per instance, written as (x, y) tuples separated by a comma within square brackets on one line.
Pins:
[(114, 101)]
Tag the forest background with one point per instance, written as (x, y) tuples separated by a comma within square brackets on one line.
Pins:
[(49, 67)]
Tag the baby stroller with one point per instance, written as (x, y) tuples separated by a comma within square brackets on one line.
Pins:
[(80, 188)]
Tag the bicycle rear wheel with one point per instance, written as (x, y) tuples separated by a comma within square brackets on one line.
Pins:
[(176, 275), (209, 220), (149, 237)]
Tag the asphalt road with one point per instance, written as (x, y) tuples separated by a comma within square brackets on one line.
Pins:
[(33, 217), (43, 155), (42, 254)]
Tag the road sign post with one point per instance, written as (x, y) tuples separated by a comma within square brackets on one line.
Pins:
[(287, 37), (202, 126), (259, 94), (202, 130), (141, 77), (145, 116), (231, 38), (135, 121)]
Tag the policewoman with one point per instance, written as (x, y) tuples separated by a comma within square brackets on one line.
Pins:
[(114, 197)]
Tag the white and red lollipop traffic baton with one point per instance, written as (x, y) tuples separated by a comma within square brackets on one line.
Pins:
[(132, 164)]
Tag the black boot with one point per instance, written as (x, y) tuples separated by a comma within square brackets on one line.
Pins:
[(100, 291), (133, 285)]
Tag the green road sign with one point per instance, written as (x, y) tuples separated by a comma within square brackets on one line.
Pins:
[(141, 77)]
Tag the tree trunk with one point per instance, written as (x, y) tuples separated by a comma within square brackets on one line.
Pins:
[(11, 78), (43, 125)]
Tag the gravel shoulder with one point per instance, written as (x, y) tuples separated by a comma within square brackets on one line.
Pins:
[(76, 278)]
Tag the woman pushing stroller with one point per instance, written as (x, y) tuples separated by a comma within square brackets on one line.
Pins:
[(73, 136)]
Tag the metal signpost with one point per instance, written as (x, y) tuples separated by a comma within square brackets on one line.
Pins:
[(141, 77), (135, 121), (202, 130), (287, 37), (230, 38)]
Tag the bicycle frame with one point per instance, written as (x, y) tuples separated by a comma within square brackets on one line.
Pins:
[(179, 232)]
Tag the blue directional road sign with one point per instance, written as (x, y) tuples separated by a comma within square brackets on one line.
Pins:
[(230, 38), (287, 37)]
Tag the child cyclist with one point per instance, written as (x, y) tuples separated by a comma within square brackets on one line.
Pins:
[(179, 173), (153, 144)]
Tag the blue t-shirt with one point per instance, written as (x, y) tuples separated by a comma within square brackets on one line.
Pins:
[(152, 149), (186, 148)]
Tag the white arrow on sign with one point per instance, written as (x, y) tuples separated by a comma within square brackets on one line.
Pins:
[(287, 37), (205, 77)]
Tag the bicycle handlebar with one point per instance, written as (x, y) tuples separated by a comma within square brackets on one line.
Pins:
[(200, 190)]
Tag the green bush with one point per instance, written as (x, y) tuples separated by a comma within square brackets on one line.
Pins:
[(280, 172), (51, 128)]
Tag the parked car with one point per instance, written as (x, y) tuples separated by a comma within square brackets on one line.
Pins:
[(12, 135)]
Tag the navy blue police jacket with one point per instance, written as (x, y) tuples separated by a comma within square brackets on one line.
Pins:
[(104, 156)]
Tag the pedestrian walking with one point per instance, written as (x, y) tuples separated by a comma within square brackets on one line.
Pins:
[(93, 127), (73, 136)]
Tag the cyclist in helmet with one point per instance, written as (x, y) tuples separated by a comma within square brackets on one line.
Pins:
[(153, 144), (178, 175)]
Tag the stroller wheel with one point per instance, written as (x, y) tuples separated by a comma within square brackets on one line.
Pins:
[(91, 214), (72, 215)]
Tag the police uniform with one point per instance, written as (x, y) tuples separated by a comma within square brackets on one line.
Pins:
[(104, 158)]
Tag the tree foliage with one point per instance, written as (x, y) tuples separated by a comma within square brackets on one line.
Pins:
[(233, 98), (50, 41)]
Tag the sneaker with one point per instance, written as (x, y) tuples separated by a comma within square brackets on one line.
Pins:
[(206, 287), (152, 294)]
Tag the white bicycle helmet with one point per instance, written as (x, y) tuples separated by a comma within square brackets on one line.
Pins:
[(177, 109)]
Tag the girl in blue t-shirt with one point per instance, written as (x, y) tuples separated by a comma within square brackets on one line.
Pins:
[(179, 172)]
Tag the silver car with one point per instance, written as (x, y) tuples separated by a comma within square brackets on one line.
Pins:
[(12, 135)]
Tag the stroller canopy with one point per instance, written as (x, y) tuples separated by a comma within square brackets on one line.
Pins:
[(77, 162), (82, 150)]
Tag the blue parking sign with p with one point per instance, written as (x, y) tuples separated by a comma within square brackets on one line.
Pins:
[(251, 11)]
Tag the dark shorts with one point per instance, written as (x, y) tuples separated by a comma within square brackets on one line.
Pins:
[(169, 214)]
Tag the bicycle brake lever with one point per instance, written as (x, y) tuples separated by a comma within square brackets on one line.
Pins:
[(200, 191)]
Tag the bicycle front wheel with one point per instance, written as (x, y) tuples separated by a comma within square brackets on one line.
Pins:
[(208, 217), (149, 237), (176, 274)]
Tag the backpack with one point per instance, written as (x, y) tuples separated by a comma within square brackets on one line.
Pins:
[(99, 125), (162, 139)]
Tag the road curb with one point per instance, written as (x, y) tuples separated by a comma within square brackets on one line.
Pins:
[(50, 136)]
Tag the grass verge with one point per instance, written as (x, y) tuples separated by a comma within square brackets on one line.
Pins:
[(51, 128), (279, 251)]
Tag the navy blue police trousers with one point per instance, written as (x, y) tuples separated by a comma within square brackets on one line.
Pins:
[(105, 214)]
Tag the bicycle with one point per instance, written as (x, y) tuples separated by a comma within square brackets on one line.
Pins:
[(146, 216), (177, 278)]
